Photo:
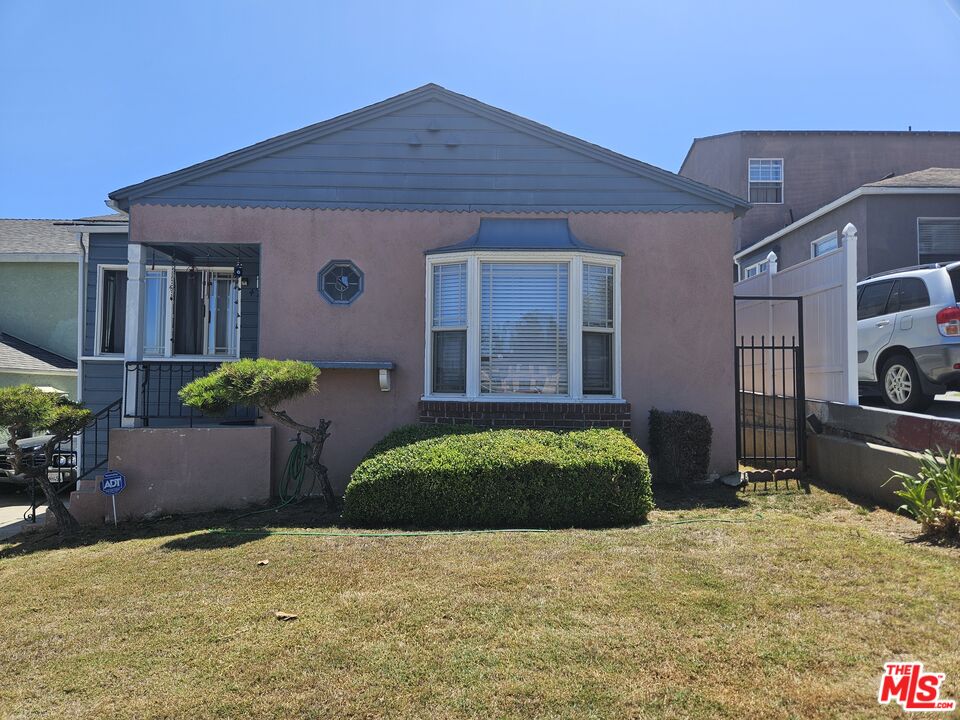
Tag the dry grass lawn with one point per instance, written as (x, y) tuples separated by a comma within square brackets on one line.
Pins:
[(779, 605)]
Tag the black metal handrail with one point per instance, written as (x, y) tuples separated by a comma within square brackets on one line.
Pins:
[(156, 396)]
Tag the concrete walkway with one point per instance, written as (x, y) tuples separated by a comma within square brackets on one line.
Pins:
[(12, 508)]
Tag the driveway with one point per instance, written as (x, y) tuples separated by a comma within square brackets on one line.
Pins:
[(12, 507), (945, 406)]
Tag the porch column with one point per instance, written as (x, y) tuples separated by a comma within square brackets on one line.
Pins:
[(133, 330)]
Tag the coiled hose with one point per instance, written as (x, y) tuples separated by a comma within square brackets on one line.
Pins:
[(292, 480)]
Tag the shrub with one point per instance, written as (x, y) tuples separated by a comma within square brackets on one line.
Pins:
[(679, 446), (407, 434), (932, 495), (501, 478)]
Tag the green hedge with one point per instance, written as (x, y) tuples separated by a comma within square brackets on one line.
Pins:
[(501, 478), (679, 446), (407, 434)]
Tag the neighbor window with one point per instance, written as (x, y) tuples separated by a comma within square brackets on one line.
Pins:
[(765, 180), (203, 306), (527, 335), (821, 246), (756, 269), (938, 239)]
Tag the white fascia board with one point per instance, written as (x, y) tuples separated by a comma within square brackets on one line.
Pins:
[(34, 371), (100, 229), (840, 202), (41, 257)]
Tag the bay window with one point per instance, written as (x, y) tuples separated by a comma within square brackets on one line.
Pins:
[(509, 325), (185, 312)]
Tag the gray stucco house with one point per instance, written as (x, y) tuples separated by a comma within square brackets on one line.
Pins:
[(786, 174), (901, 221)]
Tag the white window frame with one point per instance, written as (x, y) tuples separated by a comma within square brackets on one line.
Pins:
[(168, 317), (575, 327), (783, 184), (758, 266), (823, 240)]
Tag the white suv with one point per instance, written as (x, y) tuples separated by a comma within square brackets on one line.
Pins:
[(908, 334)]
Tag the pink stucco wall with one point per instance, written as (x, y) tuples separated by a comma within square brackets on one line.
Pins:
[(677, 310)]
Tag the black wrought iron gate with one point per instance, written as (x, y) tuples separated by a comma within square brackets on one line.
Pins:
[(771, 401)]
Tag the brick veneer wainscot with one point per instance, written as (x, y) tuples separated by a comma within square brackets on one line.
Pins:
[(543, 415)]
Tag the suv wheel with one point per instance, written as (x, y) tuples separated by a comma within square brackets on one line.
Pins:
[(900, 385)]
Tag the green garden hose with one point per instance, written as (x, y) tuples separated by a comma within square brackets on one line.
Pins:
[(291, 482)]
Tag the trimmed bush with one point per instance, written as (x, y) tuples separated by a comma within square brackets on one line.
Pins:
[(679, 446), (407, 434), (503, 479)]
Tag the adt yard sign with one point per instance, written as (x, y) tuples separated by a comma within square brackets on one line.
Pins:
[(112, 483)]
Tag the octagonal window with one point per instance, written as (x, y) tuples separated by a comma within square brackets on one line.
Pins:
[(341, 282)]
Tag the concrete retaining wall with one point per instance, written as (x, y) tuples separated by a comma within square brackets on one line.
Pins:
[(182, 470), (859, 448), (859, 468)]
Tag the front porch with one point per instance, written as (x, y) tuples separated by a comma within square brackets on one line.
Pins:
[(189, 307)]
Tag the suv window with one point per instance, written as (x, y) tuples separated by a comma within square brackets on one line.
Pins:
[(955, 279), (908, 294), (873, 299)]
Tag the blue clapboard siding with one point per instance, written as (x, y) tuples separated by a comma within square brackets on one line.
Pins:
[(443, 152), (102, 383), (104, 249)]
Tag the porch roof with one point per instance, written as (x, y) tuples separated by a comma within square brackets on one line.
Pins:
[(204, 254)]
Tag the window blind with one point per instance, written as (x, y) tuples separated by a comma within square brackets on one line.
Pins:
[(523, 328), (449, 323), (939, 239), (597, 348)]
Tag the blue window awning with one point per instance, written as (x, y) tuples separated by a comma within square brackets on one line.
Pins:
[(518, 235)]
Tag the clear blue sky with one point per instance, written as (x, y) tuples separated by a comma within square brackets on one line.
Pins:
[(96, 95)]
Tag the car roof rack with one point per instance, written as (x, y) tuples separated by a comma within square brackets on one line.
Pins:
[(928, 266)]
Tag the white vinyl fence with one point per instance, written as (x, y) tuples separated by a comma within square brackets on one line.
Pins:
[(828, 286)]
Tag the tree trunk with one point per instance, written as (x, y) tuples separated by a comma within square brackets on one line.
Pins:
[(318, 436), (66, 523)]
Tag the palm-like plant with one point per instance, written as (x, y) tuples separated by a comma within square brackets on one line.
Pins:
[(932, 495)]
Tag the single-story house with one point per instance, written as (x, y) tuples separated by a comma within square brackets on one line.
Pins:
[(440, 259), (901, 221), (39, 266)]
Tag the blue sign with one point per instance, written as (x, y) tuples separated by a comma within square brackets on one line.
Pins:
[(112, 482)]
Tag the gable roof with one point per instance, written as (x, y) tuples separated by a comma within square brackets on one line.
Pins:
[(18, 355), (38, 240), (430, 149)]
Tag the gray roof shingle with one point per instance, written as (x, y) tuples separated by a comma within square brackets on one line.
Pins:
[(931, 177), (37, 236), (19, 355)]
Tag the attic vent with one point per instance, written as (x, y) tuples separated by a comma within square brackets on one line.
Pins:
[(433, 125), (414, 140), (452, 140)]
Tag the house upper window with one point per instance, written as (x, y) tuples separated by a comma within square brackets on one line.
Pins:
[(825, 244), (542, 325), (765, 176), (185, 312), (756, 269)]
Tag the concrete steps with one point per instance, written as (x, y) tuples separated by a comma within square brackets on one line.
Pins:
[(87, 504)]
